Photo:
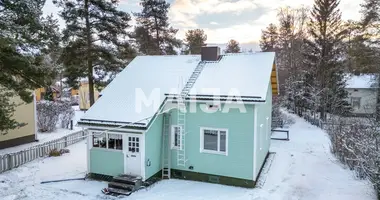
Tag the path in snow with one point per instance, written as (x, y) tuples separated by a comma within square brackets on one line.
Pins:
[(302, 169)]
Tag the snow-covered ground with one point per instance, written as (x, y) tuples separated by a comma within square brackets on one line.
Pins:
[(302, 168), (46, 137)]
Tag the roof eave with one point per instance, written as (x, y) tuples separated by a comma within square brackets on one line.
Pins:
[(110, 124)]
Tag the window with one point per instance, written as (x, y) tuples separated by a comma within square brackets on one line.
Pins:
[(115, 141), (355, 102), (176, 137), (99, 140), (214, 141), (107, 140), (133, 144)]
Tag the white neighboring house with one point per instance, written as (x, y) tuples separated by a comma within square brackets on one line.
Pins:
[(362, 93)]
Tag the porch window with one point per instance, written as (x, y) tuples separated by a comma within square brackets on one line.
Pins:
[(214, 141), (115, 141), (99, 140), (176, 137)]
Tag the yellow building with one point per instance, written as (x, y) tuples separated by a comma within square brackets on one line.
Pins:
[(40, 92), (25, 114), (84, 96)]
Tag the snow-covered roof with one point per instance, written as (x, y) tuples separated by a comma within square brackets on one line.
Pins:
[(239, 74), (360, 81), (136, 94), (145, 77)]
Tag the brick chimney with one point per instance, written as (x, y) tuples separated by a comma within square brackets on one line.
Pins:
[(210, 53)]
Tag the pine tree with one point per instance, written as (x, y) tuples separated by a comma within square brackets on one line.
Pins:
[(269, 38), (232, 47), (323, 55), (7, 109), (154, 34), (93, 34), (194, 40), (144, 41), (24, 35)]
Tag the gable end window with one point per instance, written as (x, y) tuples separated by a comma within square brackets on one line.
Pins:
[(214, 141)]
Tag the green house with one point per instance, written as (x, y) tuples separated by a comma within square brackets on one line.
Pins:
[(199, 117)]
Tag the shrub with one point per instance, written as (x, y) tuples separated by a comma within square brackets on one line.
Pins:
[(357, 145), (66, 115), (54, 153), (49, 113)]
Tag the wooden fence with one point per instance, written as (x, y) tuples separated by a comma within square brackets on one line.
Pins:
[(13, 160)]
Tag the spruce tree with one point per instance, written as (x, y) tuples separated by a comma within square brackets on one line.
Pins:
[(232, 47), (157, 34), (269, 38), (323, 56), (194, 40), (24, 35), (94, 32)]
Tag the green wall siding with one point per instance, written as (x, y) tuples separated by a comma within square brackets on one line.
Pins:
[(106, 162), (239, 161), (264, 111), (153, 143)]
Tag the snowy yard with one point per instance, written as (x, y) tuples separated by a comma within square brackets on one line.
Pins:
[(303, 168), (46, 137)]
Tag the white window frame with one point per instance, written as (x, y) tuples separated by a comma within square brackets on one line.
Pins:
[(218, 152), (172, 138)]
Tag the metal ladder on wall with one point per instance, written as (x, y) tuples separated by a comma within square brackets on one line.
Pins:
[(181, 114), (166, 151)]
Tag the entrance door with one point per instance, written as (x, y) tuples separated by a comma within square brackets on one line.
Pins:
[(133, 156)]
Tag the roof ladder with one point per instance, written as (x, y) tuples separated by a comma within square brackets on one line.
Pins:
[(166, 152), (181, 115)]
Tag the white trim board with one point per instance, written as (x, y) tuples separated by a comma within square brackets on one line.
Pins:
[(142, 156), (89, 146), (254, 142)]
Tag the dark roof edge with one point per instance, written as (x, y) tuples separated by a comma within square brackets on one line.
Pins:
[(214, 96)]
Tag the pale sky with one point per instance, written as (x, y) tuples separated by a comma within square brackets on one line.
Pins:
[(223, 20)]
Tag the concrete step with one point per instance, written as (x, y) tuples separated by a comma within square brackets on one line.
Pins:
[(126, 179), (119, 191), (122, 186)]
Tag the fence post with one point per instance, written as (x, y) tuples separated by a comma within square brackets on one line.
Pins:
[(9, 162)]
